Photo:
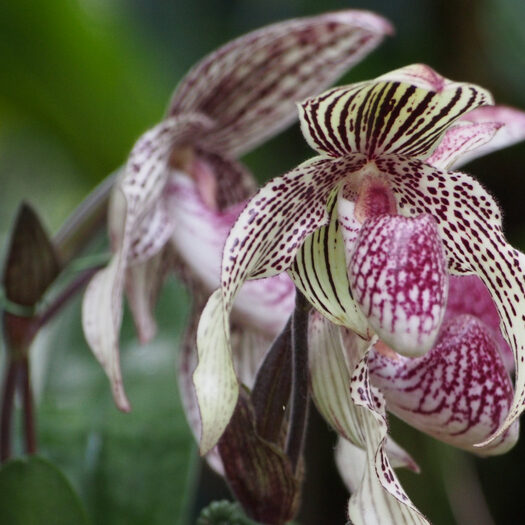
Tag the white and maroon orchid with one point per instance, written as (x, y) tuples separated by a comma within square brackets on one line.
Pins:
[(371, 231), (459, 392), (181, 186)]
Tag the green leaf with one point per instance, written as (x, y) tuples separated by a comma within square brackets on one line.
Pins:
[(130, 469), (33, 491)]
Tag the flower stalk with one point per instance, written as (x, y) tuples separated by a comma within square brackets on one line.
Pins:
[(33, 264), (299, 398)]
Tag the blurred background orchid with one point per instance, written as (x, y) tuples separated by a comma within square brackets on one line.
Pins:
[(81, 81)]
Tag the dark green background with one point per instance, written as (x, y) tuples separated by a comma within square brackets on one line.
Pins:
[(79, 81)]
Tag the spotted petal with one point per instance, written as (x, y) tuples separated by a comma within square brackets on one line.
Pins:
[(468, 295), (404, 112), (262, 243), (151, 234), (344, 396), (459, 392), (399, 278), (249, 86), (351, 461), (470, 227), (147, 167)]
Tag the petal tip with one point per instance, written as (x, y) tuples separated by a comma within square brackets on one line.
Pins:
[(499, 443), (120, 398)]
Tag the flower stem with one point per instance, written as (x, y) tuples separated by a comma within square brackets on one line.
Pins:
[(66, 295), (85, 221), (299, 400), (27, 403), (6, 419)]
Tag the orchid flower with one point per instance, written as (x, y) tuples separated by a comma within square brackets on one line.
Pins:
[(181, 187), (371, 232)]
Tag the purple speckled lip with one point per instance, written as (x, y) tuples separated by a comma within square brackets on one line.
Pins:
[(398, 276), (459, 392)]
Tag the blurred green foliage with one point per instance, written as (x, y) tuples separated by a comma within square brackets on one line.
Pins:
[(80, 80), (34, 492)]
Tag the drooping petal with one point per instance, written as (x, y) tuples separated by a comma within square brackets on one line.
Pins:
[(101, 320), (143, 283), (275, 222), (403, 112), (351, 461), (399, 279), (147, 167), (459, 392), (469, 221), (248, 348), (216, 385), (460, 139), (468, 295), (263, 242), (512, 130), (249, 86), (141, 210), (187, 362), (319, 271), (344, 396)]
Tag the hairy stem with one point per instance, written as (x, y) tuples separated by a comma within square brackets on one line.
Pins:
[(299, 400)]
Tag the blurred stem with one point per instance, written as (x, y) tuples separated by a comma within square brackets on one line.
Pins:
[(299, 400), (27, 403), (6, 421), (85, 221), (75, 234), (66, 295)]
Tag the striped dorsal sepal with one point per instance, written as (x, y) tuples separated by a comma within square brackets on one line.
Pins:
[(404, 112), (250, 85)]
